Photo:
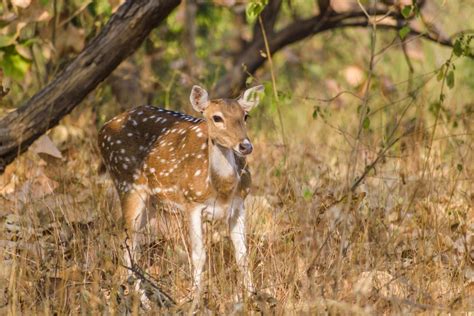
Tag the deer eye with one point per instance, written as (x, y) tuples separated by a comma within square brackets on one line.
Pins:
[(217, 119), (246, 117)]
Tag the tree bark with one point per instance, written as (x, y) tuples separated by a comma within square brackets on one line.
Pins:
[(121, 36)]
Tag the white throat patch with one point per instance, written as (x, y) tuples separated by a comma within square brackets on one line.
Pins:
[(222, 161)]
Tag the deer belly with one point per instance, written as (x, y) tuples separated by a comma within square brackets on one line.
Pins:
[(215, 210)]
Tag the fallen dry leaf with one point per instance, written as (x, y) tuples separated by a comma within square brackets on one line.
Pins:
[(37, 187), (36, 13), (46, 146), (382, 282), (8, 187)]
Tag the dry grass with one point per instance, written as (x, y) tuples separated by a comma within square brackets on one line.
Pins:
[(403, 243)]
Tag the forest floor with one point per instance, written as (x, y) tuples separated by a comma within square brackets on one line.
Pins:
[(403, 242)]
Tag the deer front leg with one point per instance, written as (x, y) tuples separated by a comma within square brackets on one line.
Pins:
[(198, 255), (237, 235)]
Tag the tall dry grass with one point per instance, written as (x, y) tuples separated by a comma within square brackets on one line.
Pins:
[(403, 242)]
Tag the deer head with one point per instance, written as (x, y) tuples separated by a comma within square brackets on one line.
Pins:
[(227, 117)]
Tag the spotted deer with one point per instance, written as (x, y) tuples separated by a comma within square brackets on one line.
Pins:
[(194, 165)]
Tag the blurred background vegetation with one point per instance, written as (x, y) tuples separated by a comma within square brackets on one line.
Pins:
[(201, 40), (380, 110)]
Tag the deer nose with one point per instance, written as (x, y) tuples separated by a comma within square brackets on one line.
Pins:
[(245, 147)]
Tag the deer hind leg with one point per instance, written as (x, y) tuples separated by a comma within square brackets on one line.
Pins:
[(133, 208), (237, 235), (134, 215)]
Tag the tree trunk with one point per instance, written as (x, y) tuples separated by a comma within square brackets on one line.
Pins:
[(122, 35)]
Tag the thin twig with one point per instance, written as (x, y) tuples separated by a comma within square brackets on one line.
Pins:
[(425, 165), (365, 98), (164, 299), (275, 92), (76, 13)]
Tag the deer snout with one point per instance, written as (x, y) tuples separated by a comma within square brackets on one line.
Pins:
[(245, 147)]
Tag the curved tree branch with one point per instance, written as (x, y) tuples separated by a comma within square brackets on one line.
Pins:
[(122, 35), (431, 37), (251, 58)]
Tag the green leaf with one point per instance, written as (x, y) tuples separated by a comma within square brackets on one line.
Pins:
[(254, 8), (416, 10), (450, 79), (273, 105), (250, 11), (406, 11), (316, 111), (403, 32), (457, 48), (366, 123), (6, 40), (277, 172), (101, 7), (434, 107), (284, 96), (459, 167), (307, 194), (14, 65), (440, 75)]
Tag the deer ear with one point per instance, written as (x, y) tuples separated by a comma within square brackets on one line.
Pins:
[(250, 98), (199, 98)]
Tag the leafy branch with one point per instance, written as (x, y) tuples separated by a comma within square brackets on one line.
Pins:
[(249, 59)]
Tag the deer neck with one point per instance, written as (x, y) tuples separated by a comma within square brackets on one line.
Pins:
[(222, 168)]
